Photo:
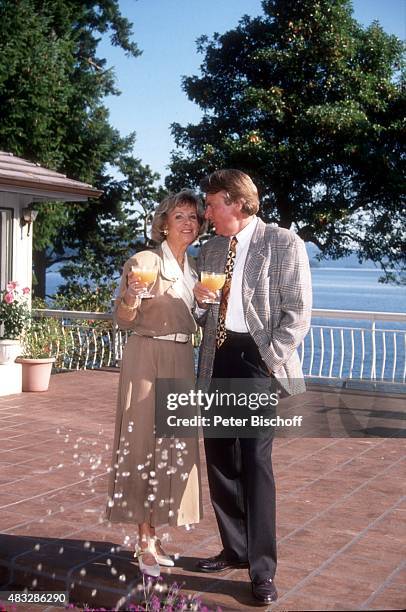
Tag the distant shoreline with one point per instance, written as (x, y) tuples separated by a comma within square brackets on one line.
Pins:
[(360, 269)]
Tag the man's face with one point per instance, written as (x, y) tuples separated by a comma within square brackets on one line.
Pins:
[(224, 217)]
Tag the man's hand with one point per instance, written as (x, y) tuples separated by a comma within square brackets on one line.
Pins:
[(202, 293)]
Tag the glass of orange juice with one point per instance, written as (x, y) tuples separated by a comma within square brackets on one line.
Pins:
[(146, 275), (213, 281)]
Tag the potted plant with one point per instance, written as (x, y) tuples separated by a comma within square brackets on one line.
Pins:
[(40, 343), (14, 316)]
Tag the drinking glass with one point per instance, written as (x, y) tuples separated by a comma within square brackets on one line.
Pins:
[(213, 281), (146, 275)]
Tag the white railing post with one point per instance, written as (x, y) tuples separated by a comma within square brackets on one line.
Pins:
[(115, 337), (373, 365)]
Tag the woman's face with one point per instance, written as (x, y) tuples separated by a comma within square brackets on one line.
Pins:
[(182, 225)]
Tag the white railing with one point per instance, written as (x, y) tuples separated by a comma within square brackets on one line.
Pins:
[(87, 340), (341, 344), (361, 345)]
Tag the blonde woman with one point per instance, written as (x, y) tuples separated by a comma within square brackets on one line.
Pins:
[(155, 481)]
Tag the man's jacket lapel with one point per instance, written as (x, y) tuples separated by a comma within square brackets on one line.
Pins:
[(254, 263)]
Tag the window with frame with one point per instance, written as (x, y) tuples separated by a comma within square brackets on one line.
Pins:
[(6, 246)]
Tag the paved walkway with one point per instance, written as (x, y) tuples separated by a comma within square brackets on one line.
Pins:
[(341, 516)]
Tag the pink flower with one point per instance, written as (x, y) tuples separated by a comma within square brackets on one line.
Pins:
[(26, 290), (9, 298), (12, 285)]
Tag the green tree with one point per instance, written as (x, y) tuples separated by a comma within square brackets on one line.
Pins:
[(118, 233), (310, 104), (52, 87)]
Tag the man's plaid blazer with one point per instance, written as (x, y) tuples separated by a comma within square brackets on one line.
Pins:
[(277, 300)]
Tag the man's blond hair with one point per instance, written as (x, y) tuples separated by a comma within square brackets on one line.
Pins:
[(237, 185)]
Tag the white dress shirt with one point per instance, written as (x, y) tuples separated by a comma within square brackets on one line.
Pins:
[(235, 318)]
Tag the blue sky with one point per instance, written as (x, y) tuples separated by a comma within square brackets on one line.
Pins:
[(166, 31)]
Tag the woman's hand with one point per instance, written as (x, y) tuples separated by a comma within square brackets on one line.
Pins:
[(135, 287), (202, 293)]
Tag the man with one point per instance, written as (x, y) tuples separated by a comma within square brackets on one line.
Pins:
[(254, 333)]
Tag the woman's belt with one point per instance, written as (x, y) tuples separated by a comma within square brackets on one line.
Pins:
[(178, 337)]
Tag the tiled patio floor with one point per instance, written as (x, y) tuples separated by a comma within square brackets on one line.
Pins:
[(341, 516)]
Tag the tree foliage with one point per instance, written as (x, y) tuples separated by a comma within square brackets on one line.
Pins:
[(310, 104), (127, 213), (52, 89)]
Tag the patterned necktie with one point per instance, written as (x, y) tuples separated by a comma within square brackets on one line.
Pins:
[(221, 332)]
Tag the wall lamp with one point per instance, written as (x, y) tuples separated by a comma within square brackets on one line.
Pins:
[(28, 216)]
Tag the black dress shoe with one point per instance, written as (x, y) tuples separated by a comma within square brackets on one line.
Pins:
[(218, 564), (264, 591)]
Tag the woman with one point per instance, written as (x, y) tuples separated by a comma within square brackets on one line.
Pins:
[(156, 481)]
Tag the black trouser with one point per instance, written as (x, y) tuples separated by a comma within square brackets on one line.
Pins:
[(241, 481)]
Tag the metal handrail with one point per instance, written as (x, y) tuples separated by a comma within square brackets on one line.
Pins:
[(326, 313), (72, 314)]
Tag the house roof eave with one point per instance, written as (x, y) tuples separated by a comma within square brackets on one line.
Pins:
[(49, 192), (19, 175)]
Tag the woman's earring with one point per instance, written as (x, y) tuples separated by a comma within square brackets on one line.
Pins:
[(165, 232)]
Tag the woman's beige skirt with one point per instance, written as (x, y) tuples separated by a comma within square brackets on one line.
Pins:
[(154, 480)]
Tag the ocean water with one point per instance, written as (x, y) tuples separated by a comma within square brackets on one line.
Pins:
[(355, 289), (333, 288)]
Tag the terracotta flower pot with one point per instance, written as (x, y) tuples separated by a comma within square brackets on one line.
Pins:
[(9, 350), (36, 373)]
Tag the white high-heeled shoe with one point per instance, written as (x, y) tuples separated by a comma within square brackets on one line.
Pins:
[(152, 570), (164, 559)]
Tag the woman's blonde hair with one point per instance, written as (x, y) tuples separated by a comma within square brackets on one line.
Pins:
[(186, 197), (237, 185)]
